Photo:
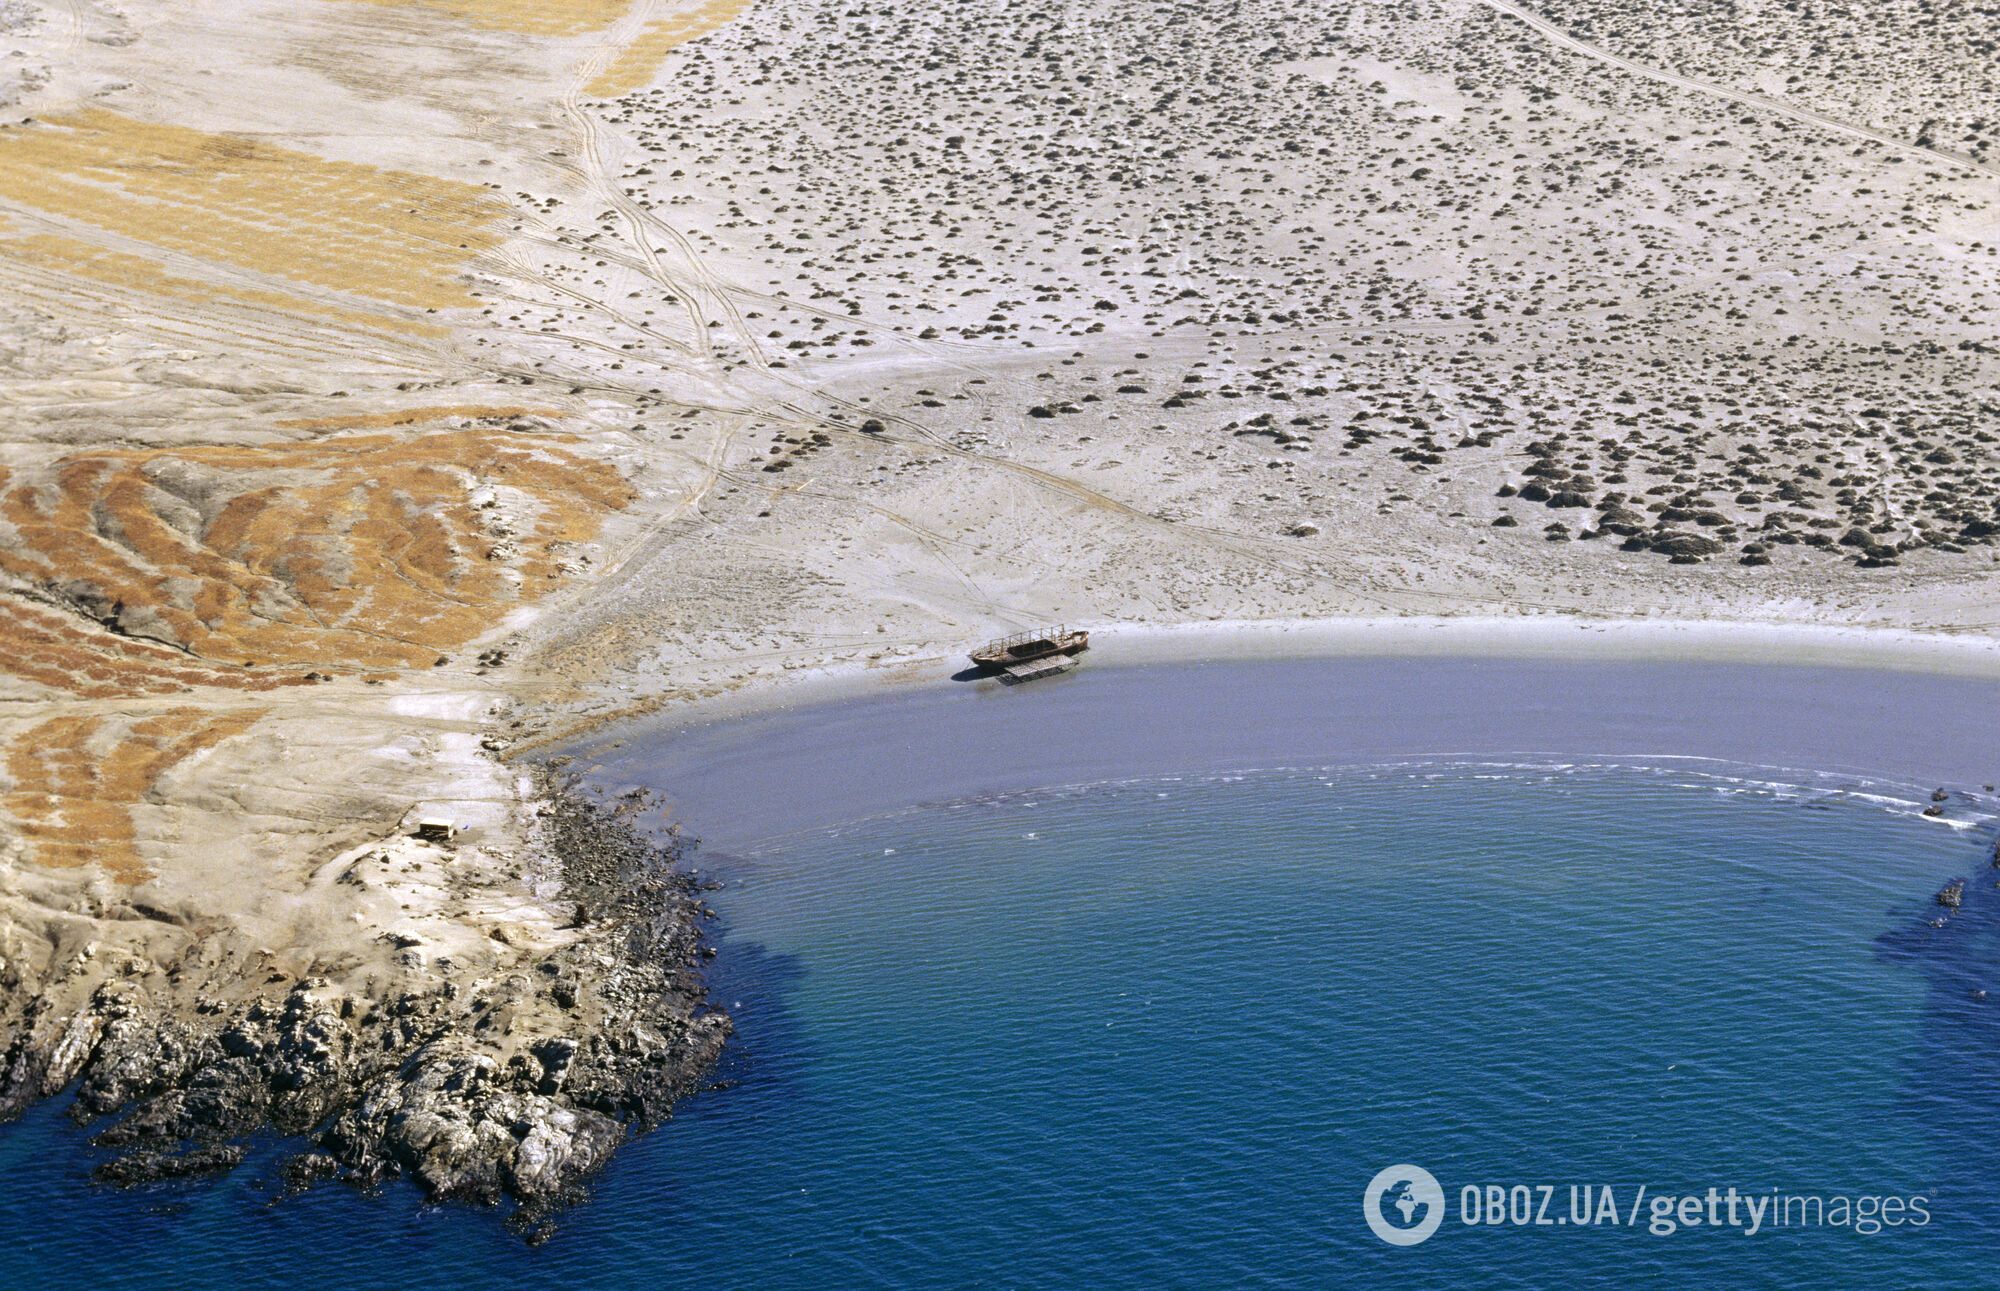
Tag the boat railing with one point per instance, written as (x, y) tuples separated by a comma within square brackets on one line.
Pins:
[(1056, 633)]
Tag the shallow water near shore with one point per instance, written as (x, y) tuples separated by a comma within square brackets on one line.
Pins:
[(1162, 1028)]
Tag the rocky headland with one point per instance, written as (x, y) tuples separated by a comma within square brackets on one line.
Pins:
[(514, 1078)]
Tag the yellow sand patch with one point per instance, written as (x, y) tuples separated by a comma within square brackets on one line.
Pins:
[(137, 273), (77, 778), (638, 62), (383, 234), (363, 552), (529, 17), (414, 416)]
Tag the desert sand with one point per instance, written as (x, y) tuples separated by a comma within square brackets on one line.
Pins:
[(396, 389)]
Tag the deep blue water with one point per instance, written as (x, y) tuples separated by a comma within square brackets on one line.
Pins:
[(1163, 1032)]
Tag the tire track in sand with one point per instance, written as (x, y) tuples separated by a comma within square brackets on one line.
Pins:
[(1749, 99)]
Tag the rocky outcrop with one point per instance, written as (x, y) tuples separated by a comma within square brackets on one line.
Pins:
[(515, 1083)]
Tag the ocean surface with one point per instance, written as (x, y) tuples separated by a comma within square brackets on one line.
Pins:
[(1163, 1030)]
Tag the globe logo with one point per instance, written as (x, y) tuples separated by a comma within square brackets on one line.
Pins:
[(1403, 1205)]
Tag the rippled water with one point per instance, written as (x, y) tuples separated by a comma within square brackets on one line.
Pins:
[(1164, 1031)]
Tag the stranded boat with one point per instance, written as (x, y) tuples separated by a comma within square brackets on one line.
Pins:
[(1038, 652)]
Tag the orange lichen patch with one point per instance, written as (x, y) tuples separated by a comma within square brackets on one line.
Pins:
[(76, 779), (382, 234), (638, 62), (72, 256), (53, 649), (529, 17), (416, 416), (364, 552)]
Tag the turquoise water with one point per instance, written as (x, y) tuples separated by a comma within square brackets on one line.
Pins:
[(1163, 1032)]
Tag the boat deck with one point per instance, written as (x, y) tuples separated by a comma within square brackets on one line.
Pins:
[(1047, 666)]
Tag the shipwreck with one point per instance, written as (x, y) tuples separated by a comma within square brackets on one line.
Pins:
[(1038, 652)]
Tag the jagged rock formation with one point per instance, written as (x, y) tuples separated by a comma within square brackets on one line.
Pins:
[(517, 1080)]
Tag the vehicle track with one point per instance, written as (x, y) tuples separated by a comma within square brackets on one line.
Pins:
[(1762, 103)]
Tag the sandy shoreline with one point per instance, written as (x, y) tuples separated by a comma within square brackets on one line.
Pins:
[(1818, 644), (1235, 640), (774, 760)]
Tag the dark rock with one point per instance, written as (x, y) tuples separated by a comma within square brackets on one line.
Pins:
[(151, 1167), (302, 1170)]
